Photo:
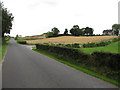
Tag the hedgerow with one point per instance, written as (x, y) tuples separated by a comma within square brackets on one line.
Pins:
[(21, 42), (108, 62)]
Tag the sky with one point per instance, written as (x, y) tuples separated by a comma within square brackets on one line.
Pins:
[(35, 17)]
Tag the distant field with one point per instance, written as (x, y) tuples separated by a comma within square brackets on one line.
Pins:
[(32, 37), (71, 39), (113, 48)]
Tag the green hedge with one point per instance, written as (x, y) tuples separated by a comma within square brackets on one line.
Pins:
[(100, 62), (110, 60), (88, 45), (70, 53), (95, 59), (21, 42), (100, 44)]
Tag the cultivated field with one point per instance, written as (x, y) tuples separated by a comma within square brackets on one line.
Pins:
[(71, 39)]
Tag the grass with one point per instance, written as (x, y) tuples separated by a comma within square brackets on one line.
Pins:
[(78, 67), (3, 49), (113, 48), (0, 49)]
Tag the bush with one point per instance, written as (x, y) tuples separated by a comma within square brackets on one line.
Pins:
[(88, 45), (100, 44), (66, 53), (21, 42), (97, 59), (103, 59), (76, 45), (68, 45)]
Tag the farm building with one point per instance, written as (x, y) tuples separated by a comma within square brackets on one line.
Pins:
[(108, 32)]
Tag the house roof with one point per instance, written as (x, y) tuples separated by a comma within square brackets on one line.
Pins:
[(107, 31)]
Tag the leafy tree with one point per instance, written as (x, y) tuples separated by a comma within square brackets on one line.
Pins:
[(83, 31), (88, 31), (76, 31), (17, 36), (55, 31), (65, 32), (0, 20), (7, 19), (116, 28)]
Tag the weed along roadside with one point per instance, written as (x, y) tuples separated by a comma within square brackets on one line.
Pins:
[(105, 66), (4, 49)]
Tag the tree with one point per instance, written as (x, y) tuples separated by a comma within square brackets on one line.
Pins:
[(65, 32), (116, 28), (55, 31), (7, 19), (76, 31), (88, 31), (17, 36), (0, 20)]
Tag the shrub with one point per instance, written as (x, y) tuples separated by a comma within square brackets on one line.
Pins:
[(68, 45), (89, 45), (97, 59), (103, 59), (21, 42), (75, 45), (69, 53)]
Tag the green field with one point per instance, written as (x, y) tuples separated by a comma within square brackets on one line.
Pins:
[(113, 48)]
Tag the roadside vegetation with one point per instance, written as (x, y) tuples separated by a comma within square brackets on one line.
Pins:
[(0, 49), (6, 19), (102, 64), (78, 67), (84, 65), (3, 48)]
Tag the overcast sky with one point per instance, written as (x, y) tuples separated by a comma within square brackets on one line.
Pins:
[(34, 17)]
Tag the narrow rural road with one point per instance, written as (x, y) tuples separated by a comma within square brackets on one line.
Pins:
[(24, 68)]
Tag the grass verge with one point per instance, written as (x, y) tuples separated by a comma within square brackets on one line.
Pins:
[(3, 50), (80, 68)]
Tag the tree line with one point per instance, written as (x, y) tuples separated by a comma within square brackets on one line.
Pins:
[(74, 31), (6, 19), (116, 29), (77, 31)]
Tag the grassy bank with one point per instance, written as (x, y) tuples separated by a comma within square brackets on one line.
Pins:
[(3, 49), (78, 67), (113, 48)]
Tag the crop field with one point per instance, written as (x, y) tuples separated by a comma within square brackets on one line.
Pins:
[(71, 39)]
